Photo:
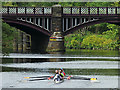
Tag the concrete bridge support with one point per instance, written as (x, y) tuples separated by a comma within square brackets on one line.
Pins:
[(56, 41)]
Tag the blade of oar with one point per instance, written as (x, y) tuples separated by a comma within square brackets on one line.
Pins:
[(77, 78), (38, 77), (51, 77), (80, 78)]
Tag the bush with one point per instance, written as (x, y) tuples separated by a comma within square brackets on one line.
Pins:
[(108, 38), (73, 41), (98, 42)]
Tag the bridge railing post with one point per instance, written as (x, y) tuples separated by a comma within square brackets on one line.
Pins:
[(116, 10), (80, 11), (97, 10), (43, 10), (16, 10), (34, 10), (71, 10), (7, 10), (25, 10), (106, 10)]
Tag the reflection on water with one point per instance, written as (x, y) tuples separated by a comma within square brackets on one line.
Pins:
[(71, 66), (28, 60), (56, 59), (84, 52), (110, 72), (20, 60), (100, 68), (82, 64), (107, 54), (34, 60), (57, 53), (24, 60)]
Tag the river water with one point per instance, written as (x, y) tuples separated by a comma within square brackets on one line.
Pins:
[(100, 64)]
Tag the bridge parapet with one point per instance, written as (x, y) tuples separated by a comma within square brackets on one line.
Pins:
[(91, 10), (27, 10), (66, 10), (69, 17)]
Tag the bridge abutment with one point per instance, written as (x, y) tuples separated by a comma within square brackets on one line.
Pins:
[(56, 41)]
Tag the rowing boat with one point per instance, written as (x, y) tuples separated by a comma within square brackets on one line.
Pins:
[(57, 79)]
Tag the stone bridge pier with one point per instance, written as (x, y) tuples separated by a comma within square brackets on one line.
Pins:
[(56, 41)]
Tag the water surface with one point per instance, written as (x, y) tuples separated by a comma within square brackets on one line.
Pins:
[(101, 64)]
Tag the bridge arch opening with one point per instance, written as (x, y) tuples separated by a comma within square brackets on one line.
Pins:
[(98, 21), (39, 37)]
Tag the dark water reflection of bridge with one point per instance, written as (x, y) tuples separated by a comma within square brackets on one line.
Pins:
[(69, 55), (34, 60)]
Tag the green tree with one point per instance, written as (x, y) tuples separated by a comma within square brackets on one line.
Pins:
[(99, 4), (8, 35), (112, 31)]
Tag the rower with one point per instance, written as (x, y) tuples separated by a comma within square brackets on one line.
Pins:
[(56, 72), (61, 73)]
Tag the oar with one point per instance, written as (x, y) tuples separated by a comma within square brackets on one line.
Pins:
[(40, 78), (51, 77), (80, 78), (37, 77)]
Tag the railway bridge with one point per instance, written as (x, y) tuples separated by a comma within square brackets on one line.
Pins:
[(48, 25)]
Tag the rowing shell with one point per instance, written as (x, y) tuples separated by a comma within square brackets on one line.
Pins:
[(57, 79)]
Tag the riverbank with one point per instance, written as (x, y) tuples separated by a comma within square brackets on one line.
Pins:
[(105, 39)]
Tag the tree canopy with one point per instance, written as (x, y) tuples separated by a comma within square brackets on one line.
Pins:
[(38, 4)]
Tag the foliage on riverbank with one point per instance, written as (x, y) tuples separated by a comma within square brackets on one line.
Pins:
[(106, 40), (8, 35)]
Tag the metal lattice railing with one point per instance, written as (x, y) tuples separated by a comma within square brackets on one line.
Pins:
[(26, 10), (21, 10), (12, 10), (66, 10), (75, 10), (84, 10), (91, 10), (102, 10)]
